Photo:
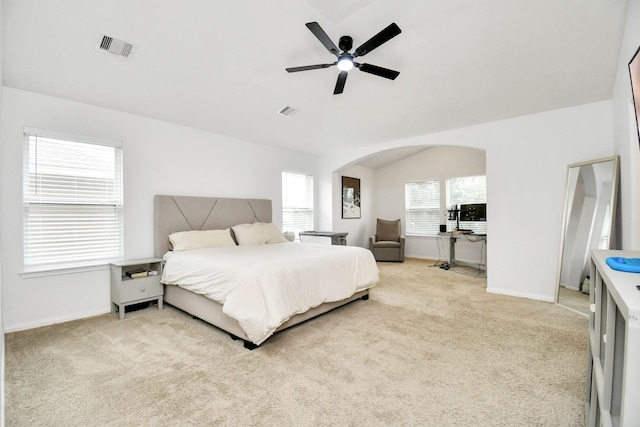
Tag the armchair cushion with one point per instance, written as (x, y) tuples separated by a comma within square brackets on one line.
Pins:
[(388, 230), (386, 244)]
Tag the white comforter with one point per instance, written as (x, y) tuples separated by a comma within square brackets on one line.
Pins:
[(263, 286)]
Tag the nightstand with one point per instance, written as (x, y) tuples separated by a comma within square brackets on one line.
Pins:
[(134, 281)]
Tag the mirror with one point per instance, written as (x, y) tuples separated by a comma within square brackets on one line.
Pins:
[(589, 213)]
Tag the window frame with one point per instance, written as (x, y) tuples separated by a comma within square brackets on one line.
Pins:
[(32, 202), (309, 207), (476, 226), (444, 206), (428, 211)]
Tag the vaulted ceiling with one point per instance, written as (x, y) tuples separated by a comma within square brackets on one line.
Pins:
[(220, 65)]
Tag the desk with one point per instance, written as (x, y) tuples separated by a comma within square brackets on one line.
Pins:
[(453, 237), (326, 237)]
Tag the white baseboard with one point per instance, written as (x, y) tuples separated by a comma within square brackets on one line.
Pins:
[(511, 293), (54, 320)]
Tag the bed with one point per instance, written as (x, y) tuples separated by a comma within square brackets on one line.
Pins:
[(260, 289)]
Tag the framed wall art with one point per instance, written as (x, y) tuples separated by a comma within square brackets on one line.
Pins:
[(350, 197)]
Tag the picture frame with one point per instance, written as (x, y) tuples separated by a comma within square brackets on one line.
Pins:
[(634, 76), (351, 203)]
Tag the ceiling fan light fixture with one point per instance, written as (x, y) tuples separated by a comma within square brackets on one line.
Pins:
[(345, 63)]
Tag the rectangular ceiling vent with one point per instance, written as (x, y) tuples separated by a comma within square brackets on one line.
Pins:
[(115, 46), (287, 111)]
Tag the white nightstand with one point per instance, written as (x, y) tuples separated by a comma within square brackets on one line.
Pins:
[(126, 290)]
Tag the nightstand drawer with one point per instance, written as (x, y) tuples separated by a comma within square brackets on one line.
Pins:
[(143, 287)]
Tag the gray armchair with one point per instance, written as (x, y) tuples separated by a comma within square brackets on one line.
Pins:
[(388, 243)]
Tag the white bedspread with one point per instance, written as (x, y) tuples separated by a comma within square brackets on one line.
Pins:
[(263, 286)]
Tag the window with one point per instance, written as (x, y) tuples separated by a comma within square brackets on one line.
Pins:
[(297, 202), (466, 190), (422, 205), (72, 199)]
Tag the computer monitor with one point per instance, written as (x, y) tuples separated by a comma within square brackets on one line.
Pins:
[(473, 212)]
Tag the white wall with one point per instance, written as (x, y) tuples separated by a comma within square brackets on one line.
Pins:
[(626, 135), (159, 158), (432, 163), (359, 229), (526, 165)]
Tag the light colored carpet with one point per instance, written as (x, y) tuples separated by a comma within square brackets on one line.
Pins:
[(430, 348)]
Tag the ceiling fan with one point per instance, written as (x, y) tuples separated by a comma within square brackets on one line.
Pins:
[(345, 60)]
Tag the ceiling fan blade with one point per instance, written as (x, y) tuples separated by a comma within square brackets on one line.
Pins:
[(382, 37), (308, 67), (317, 31), (379, 71), (342, 79)]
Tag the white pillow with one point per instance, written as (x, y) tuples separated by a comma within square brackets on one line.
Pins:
[(258, 233), (186, 240)]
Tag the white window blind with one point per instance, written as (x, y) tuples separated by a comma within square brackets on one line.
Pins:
[(72, 199), (297, 202), (422, 206), (467, 190)]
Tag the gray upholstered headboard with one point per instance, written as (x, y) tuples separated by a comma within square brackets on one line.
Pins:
[(184, 213)]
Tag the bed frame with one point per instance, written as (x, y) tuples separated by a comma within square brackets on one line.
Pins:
[(184, 213)]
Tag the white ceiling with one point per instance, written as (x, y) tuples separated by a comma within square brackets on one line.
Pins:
[(220, 65)]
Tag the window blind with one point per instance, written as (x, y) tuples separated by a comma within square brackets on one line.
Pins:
[(72, 199), (422, 206), (297, 202), (465, 190)]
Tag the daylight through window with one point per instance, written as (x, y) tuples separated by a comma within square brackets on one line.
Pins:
[(72, 199), (426, 206), (422, 205), (297, 202), (467, 190)]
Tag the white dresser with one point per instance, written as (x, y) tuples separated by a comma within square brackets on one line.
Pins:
[(613, 361)]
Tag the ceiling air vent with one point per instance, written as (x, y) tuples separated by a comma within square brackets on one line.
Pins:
[(287, 111), (115, 46)]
